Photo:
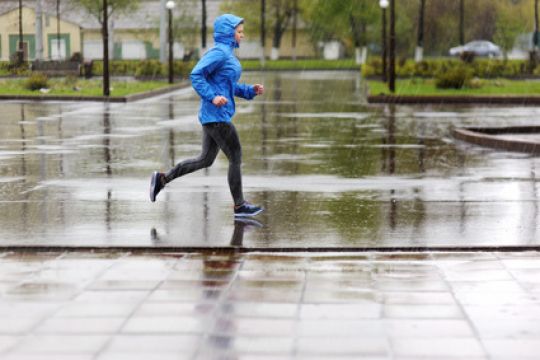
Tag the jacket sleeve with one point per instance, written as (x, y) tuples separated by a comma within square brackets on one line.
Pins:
[(244, 91), (211, 61)]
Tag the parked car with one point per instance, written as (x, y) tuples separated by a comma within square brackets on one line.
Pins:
[(478, 48)]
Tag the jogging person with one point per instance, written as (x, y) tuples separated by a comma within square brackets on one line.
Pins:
[(215, 79)]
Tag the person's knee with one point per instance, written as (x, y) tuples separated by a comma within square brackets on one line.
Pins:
[(236, 158), (207, 162)]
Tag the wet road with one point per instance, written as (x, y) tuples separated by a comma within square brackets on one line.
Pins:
[(329, 169)]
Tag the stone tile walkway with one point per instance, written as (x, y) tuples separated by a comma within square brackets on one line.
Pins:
[(76, 305)]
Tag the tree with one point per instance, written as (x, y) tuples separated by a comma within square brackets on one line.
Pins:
[(535, 36), (419, 54), (115, 7), (461, 22), (278, 13), (509, 24), (186, 26), (102, 11), (351, 22)]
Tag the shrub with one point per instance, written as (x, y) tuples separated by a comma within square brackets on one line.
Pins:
[(149, 68), (453, 78), (36, 81), (467, 56)]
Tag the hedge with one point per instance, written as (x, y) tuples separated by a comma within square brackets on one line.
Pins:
[(142, 68), (482, 68)]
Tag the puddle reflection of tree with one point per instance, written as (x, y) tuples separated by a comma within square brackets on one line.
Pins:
[(108, 166), (24, 170), (388, 165)]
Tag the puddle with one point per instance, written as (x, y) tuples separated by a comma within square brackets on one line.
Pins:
[(329, 170)]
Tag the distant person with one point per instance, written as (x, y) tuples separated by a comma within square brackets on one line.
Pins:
[(215, 78)]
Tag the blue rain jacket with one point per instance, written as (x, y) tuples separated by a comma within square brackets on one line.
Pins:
[(218, 72)]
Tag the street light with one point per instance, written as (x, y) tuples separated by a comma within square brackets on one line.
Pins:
[(170, 6), (383, 4)]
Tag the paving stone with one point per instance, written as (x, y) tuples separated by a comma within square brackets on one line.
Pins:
[(343, 346), (422, 311), (432, 307), (170, 324), (456, 348), (513, 348), (341, 328), (340, 311), (149, 344), (79, 325), (61, 344)]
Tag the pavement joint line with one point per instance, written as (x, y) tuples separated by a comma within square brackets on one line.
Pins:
[(243, 250)]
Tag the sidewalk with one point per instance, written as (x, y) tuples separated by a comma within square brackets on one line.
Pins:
[(83, 305)]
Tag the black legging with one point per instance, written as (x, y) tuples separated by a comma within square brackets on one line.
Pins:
[(220, 135)]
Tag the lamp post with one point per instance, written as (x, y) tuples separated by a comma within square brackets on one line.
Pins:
[(392, 67), (384, 4), (170, 6)]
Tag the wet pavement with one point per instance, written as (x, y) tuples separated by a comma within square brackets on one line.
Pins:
[(330, 170), (80, 305)]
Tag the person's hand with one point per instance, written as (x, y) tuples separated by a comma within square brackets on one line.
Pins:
[(219, 101), (259, 89)]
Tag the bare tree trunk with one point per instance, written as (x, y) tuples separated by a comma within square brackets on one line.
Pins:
[(295, 19), (263, 30), (162, 31), (392, 65), (105, 32), (535, 35), (461, 22), (58, 47), (20, 54), (39, 29), (203, 26), (419, 53)]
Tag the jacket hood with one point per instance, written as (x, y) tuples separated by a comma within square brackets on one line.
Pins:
[(225, 27)]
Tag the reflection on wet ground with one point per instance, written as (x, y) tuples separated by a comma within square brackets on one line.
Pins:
[(118, 305), (329, 169)]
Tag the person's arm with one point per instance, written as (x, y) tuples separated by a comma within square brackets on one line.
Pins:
[(211, 61), (248, 91)]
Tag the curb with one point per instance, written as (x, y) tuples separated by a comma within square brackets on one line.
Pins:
[(232, 249), (457, 99), (110, 99), (487, 137)]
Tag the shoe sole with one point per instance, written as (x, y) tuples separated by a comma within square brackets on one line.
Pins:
[(244, 215), (153, 186)]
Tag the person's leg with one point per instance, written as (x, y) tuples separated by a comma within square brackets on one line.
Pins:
[(226, 137), (208, 154)]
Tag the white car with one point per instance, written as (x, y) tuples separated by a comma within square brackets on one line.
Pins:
[(479, 48)]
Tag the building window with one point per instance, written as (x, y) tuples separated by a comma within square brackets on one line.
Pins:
[(58, 49), (133, 50), (93, 49)]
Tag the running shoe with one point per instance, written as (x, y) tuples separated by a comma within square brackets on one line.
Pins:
[(156, 184), (247, 210)]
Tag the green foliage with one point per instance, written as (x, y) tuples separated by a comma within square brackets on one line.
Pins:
[(353, 22), (36, 81), (150, 68), (4, 68), (304, 64), (95, 7), (453, 78), (482, 68)]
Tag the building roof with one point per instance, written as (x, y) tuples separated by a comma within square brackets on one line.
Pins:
[(146, 17)]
